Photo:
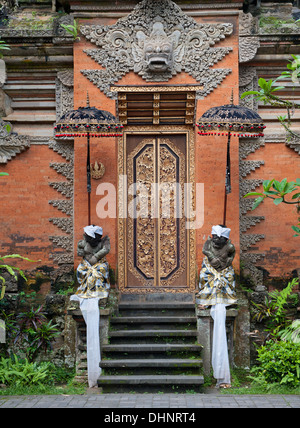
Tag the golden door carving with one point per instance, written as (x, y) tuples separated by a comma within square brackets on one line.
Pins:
[(156, 233)]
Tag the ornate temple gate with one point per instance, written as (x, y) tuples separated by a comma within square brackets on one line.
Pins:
[(156, 233), (156, 247), (154, 242)]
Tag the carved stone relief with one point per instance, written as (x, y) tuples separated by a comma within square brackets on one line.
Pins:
[(11, 145), (248, 221), (65, 188), (293, 143), (248, 39), (10, 142), (64, 102), (247, 48), (157, 41), (248, 24), (248, 82), (64, 92)]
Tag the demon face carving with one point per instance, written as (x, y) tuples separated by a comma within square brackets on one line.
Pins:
[(155, 53)]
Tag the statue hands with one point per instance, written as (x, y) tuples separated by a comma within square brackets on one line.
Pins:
[(215, 262), (93, 260)]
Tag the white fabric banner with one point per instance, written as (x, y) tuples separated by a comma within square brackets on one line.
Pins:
[(91, 314), (220, 361)]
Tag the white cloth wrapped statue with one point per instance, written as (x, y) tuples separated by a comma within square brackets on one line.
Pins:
[(217, 289), (93, 279)]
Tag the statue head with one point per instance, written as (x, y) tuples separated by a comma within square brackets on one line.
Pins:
[(220, 235), (158, 48), (93, 234)]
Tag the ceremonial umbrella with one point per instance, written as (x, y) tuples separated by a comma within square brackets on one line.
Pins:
[(228, 120), (87, 122)]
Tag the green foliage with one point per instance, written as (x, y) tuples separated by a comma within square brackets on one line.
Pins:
[(66, 291), (16, 371), (291, 333), (278, 191), (11, 270), (42, 337), (17, 374), (31, 319), (268, 87), (268, 94), (275, 21), (293, 69), (280, 298), (265, 94), (274, 311), (3, 46), (29, 333), (72, 29), (34, 332), (279, 364)]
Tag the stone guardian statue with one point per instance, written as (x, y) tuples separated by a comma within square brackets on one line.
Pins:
[(93, 271), (217, 289)]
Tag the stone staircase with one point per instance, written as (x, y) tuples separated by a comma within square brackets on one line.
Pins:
[(153, 346)]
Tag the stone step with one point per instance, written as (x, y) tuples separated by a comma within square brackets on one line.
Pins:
[(156, 305), (158, 350), (153, 362), (162, 347), (159, 380), (157, 309), (152, 333), (152, 320)]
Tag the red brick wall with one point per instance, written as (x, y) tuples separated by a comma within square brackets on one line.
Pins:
[(25, 211), (281, 249)]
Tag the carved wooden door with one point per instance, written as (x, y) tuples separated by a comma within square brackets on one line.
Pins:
[(156, 233)]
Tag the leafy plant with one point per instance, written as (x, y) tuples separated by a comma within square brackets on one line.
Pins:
[(3, 46), (31, 319), (42, 338), (65, 292), (12, 270), (16, 371), (291, 333), (268, 94), (273, 310), (279, 363), (278, 191), (10, 324), (25, 297), (72, 29), (265, 94), (34, 332)]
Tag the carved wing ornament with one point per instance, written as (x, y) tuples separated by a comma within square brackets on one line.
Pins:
[(157, 41), (10, 142)]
